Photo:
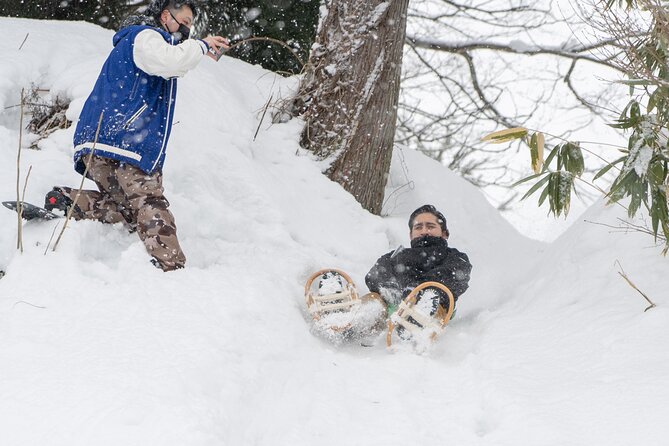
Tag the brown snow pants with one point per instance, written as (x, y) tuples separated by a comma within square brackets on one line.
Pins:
[(130, 196)]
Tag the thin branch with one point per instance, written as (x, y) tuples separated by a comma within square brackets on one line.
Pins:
[(570, 84), (24, 41), (81, 186), (627, 227), (269, 101), (568, 53), (479, 91), (267, 39), (19, 204), (27, 303)]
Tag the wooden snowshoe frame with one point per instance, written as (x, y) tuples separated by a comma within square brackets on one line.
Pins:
[(435, 323), (318, 305)]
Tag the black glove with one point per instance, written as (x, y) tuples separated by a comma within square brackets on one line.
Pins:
[(409, 261)]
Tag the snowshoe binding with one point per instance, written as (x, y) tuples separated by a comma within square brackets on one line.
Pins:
[(56, 199), (334, 292), (422, 315), (338, 312)]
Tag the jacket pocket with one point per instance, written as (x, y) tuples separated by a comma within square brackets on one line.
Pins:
[(134, 117), (135, 87)]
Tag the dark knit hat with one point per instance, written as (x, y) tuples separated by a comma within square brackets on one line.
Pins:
[(151, 14), (155, 7), (429, 209)]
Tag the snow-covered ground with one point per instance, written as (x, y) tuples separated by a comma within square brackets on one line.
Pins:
[(97, 347)]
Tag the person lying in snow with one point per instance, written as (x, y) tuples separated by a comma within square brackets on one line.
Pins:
[(135, 93), (429, 259)]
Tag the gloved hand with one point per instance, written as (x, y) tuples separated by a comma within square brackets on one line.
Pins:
[(409, 261)]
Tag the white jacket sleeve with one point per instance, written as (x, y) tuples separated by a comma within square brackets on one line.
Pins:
[(153, 55)]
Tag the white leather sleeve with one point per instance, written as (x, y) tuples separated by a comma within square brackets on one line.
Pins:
[(153, 55)]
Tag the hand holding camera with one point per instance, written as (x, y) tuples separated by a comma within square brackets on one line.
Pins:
[(217, 46)]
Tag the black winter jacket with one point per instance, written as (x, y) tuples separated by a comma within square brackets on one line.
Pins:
[(396, 273)]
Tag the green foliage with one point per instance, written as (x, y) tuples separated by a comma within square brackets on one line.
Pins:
[(557, 184), (644, 174), (643, 169), (291, 21)]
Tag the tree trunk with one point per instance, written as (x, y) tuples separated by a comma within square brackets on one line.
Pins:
[(350, 93)]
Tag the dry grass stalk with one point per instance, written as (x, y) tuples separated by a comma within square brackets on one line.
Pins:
[(51, 238), (624, 276), (19, 204), (25, 184), (81, 186), (269, 101)]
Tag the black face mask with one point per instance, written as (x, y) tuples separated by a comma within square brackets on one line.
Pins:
[(426, 241), (182, 33)]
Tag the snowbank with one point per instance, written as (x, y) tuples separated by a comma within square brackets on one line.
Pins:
[(550, 346)]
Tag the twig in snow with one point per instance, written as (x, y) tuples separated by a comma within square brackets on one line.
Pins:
[(25, 184), (27, 303), (624, 276), (19, 205), (81, 186), (51, 238), (269, 101), (24, 41)]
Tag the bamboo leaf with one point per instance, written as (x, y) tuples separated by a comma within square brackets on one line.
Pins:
[(526, 179), (536, 187), (656, 173), (537, 151), (574, 162), (505, 135), (551, 155), (544, 194), (561, 193), (608, 167), (633, 82), (635, 111)]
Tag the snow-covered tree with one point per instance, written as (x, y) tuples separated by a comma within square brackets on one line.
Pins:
[(349, 95)]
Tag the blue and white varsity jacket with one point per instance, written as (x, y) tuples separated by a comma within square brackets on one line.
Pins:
[(137, 103)]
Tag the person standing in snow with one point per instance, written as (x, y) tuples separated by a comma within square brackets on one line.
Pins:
[(429, 259), (135, 93)]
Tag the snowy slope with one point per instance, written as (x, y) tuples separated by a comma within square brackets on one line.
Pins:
[(550, 346)]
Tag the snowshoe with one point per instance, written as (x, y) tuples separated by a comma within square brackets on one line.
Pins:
[(339, 314), (421, 316), (30, 211), (334, 292)]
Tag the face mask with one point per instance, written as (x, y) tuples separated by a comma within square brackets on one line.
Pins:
[(426, 241), (182, 32)]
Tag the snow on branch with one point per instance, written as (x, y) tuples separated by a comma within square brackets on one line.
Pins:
[(518, 47)]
